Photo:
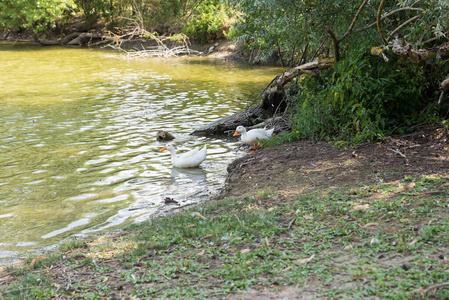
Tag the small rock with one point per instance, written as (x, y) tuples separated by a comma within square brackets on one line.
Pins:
[(162, 135), (169, 200)]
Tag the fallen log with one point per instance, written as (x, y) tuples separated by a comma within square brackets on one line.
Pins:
[(221, 126), (70, 37), (81, 37), (273, 100)]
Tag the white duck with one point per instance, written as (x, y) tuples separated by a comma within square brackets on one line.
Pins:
[(190, 159), (254, 135)]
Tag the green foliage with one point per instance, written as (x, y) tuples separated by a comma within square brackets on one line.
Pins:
[(38, 15), (360, 99), (289, 27), (93, 9), (155, 12), (207, 19)]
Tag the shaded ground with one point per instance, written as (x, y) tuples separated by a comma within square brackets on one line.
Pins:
[(303, 166)]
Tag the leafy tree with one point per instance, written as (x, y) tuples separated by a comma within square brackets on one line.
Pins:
[(207, 19), (35, 14), (361, 97), (293, 29)]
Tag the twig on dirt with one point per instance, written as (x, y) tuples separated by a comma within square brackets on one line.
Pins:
[(5, 274), (429, 288), (20, 289), (181, 206), (249, 173), (398, 152), (237, 217), (165, 276), (311, 180), (291, 223)]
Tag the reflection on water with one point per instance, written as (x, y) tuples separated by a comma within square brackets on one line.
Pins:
[(78, 152), (181, 176)]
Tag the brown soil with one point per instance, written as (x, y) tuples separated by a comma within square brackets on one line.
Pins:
[(301, 167), (304, 166)]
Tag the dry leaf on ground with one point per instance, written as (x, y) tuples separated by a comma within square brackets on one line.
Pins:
[(266, 241), (33, 262), (305, 260), (370, 224), (200, 215), (358, 207), (207, 236)]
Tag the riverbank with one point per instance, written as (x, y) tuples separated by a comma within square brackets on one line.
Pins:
[(296, 221), (217, 48)]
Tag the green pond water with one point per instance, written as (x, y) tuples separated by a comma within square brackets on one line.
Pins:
[(78, 153)]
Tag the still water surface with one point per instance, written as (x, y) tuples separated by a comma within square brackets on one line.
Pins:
[(78, 153)]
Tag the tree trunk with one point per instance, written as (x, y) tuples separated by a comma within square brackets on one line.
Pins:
[(273, 100), (221, 126)]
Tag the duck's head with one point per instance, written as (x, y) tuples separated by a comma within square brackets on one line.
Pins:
[(168, 147), (239, 129)]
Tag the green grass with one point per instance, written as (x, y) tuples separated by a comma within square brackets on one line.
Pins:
[(385, 240)]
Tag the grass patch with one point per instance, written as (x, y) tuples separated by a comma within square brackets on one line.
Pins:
[(388, 240)]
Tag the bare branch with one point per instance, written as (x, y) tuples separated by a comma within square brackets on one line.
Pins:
[(402, 26), (386, 16), (353, 21), (379, 21), (446, 35)]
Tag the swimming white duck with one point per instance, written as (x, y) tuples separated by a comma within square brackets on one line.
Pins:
[(190, 159), (254, 135)]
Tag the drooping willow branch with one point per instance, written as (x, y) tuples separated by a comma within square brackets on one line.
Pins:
[(379, 18)]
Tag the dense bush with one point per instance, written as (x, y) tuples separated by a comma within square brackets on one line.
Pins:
[(33, 14), (360, 99), (207, 20)]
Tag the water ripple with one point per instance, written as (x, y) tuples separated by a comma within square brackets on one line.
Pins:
[(78, 148)]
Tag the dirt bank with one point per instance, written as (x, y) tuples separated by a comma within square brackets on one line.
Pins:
[(303, 166)]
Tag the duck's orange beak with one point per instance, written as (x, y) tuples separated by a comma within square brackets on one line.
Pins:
[(165, 148), (236, 132)]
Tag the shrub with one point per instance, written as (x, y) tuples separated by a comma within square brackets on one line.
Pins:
[(360, 99), (207, 20)]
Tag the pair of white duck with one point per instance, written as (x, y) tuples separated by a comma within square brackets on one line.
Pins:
[(195, 157)]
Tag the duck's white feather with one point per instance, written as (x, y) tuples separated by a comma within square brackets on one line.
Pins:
[(254, 135), (190, 159)]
